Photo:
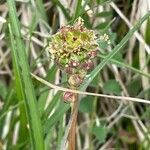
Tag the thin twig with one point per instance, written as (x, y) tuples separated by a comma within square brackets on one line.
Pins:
[(89, 93)]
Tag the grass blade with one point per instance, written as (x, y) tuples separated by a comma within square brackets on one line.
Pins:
[(113, 52), (30, 99), (122, 64), (56, 116), (18, 88), (40, 9)]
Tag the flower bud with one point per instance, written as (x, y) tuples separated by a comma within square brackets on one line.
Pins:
[(69, 70), (68, 97), (83, 73), (92, 54), (75, 80), (74, 63), (87, 65)]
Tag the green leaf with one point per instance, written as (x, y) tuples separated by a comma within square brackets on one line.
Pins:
[(101, 25), (112, 86), (86, 105), (131, 87), (112, 37), (100, 132), (95, 81), (103, 44), (104, 14)]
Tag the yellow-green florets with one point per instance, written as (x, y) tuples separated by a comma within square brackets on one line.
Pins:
[(72, 44)]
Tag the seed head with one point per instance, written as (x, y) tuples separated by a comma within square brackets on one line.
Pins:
[(72, 44), (68, 97), (73, 49)]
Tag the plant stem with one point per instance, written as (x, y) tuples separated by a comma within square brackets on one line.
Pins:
[(72, 132)]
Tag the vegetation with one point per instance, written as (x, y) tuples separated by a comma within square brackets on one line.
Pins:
[(74, 74)]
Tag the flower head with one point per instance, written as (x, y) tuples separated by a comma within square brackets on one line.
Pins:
[(71, 45), (73, 49)]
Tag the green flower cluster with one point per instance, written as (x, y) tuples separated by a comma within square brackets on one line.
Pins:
[(73, 48), (72, 44)]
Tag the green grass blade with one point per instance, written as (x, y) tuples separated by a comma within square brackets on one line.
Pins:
[(3, 112), (43, 96), (78, 9), (51, 105), (40, 9), (19, 89), (60, 133), (30, 99), (113, 52), (121, 64), (65, 12), (56, 116)]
